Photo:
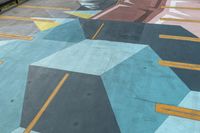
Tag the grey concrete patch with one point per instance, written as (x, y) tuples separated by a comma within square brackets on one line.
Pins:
[(25, 28), (22, 12), (29, 28), (49, 13), (54, 3)]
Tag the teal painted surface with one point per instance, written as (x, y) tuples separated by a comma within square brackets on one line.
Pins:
[(21, 130), (135, 85), (17, 56), (136, 116), (68, 32), (91, 56), (181, 125)]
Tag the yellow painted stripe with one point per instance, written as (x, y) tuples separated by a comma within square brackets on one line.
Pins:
[(182, 38), (24, 19), (43, 20), (44, 7), (1, 62), (180, 7), (14, 36), (46, 104), (98, 31), (180, 20), (15, 18), (178, 111), (180, 65)]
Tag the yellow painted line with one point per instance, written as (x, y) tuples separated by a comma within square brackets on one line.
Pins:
[(180, 7), (178, 111), (15, 18), (44, 7), (46, 104), (24, 19), (180, 20), (180, 65), (42, 20), (1, 62), (14, 36), (98, 31), (182, 38)]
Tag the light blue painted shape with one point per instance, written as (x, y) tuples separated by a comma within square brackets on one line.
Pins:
[(13, 74), (68, 32), (192, 100), (136, 85), (175, 124), (91, 56), (91, 12), (6, 49), (21, 130), (2, 43)]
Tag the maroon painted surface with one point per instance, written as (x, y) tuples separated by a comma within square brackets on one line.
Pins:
[(132, 10)]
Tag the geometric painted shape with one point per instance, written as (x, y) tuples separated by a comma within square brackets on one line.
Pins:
[(90, 28), (160, 84), (21, 130), (91, 12), (81, 105), (17, 56), (45, 25), (167, 49), (46, 104), (136, 85), (69, 32), (114, 30), (191, 100), (135, 68), (179, 125), (79, 14), (91, 57), (175, 50), (175, 124), (120, 10)]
